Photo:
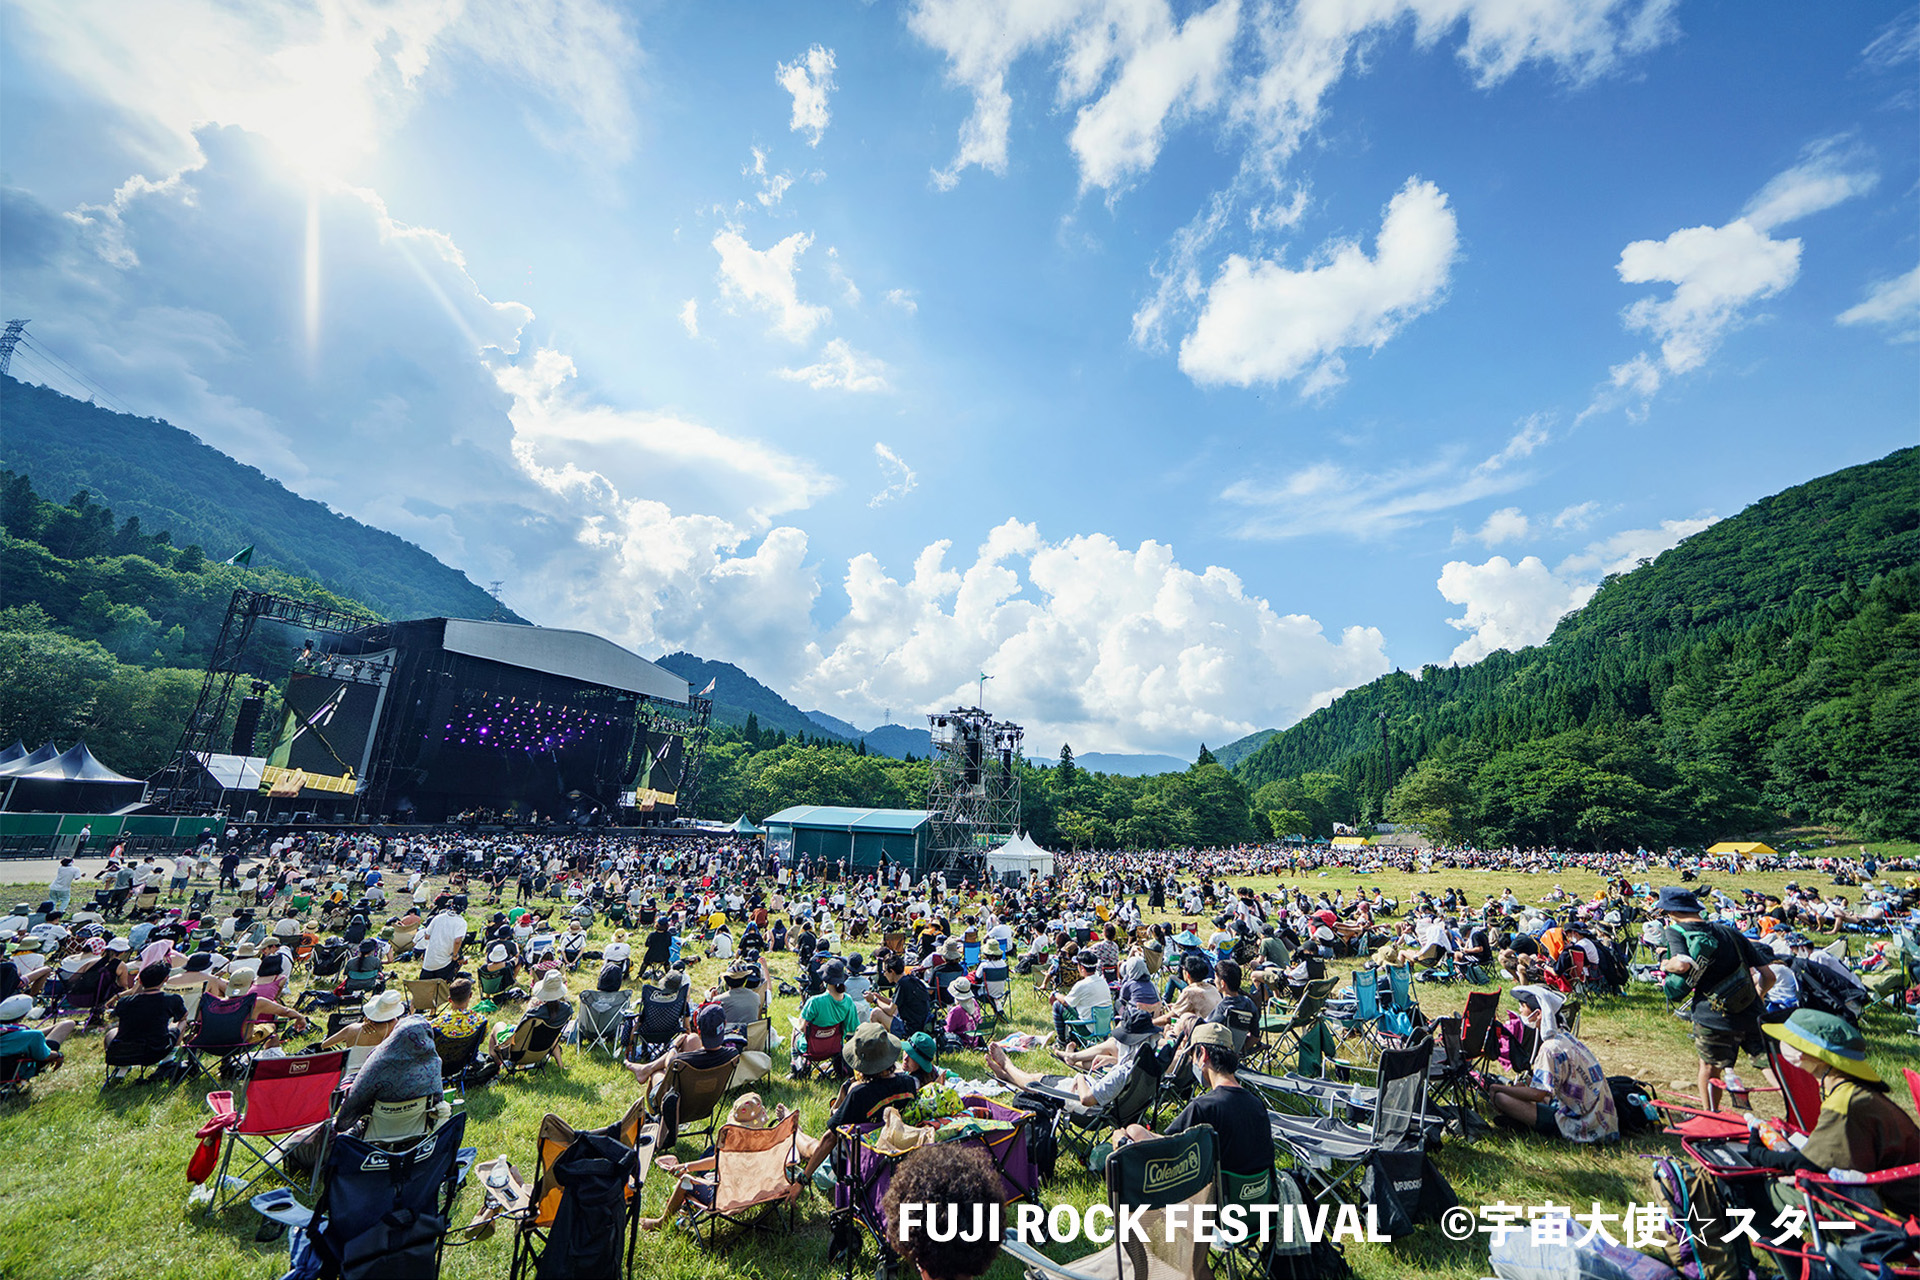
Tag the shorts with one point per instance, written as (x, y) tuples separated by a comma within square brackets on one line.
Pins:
[(1721, 1046), (1543, 1119)]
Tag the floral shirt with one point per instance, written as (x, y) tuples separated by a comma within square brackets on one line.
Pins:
[(456, 1024), (1583, 1101)]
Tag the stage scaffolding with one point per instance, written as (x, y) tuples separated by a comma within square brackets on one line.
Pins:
[(974, 789)]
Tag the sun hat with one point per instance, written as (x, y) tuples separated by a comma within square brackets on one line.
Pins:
[(1547, 1001), (1138, 1028), (242, 976), (383, 1007), (991, 949), (872, 1051), (673, 981), (16, 1007), (1674, 898), (921, 1048), (119, 944), (1828, 1037), (834, 975), (1187, 938), (551, 987), (954, 949), (961, 989), (497, 953)]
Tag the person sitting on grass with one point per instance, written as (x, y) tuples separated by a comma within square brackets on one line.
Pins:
[(40, 1050), (912, 1002), (1102, 1070), (696, 1177), (1237, 1114), (1568, 1096), (708, 1045), (944, 1174)]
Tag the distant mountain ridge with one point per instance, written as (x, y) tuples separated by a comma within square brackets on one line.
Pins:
[(173, 482)]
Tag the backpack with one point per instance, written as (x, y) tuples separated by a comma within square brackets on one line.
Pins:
[(1633, 1116), (589, 1228)]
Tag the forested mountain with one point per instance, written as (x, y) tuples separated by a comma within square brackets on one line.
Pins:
[(167, 479), (107, 628), (1766, 669), (737, 695), (1240, 748)]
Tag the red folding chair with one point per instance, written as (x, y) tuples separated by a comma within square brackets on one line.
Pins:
[(1847, 1234), (820, 1047), (283, 1097), (1718, 1139)]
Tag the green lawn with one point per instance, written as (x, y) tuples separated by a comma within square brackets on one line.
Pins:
[(95, 1187)]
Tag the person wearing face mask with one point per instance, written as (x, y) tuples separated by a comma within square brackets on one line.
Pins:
[(1861, 1127), (1568, 1096)]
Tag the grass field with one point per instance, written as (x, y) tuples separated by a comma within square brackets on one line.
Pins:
[(95, 1187)]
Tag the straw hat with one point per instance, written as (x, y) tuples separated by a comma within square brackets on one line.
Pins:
[(961, 989), (242, 976), (383, 1007), (1831, 1039)]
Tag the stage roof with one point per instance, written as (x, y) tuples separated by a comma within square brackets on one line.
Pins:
[(231, 772), (576, 654), (839, 819)]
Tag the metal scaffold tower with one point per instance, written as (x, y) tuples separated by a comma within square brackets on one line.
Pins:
[(974, 790)]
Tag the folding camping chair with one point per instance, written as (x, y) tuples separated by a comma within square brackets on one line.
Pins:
[(600, 1020), (1151, 1175), (284, 1096), (90, 992), (1284, 1036), (1079, 1130), (586, 1165), (698, 1093), (820, 1047), (424, 995), (661, 1021), (384, 1210), (1851, 1233), (1092, 1029), (751, 1176), (1361, 1028), (1718, 1139), (753, 1063), (1335, 1153), (221, 1031), (532, 1045), (460, 1058), (862, 1173)]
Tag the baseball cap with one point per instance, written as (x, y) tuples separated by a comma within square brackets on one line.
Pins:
[(712, 1025), (1214, 1035)]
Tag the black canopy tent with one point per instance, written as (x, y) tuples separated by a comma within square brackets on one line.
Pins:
[(70, 781)]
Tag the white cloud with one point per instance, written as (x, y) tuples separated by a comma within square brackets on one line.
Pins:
[(1508, 524), (1718, 273), (1508, 606), (763, 279), (1264, 323), (903, 299), (848, 289), (690, 317), (900, 478), (841, 368), (1119, 136), (1577, 516), (1091, 640), (809, 79), (773, 186), (1325, 497), (1512, 605), (1893, 305), (324, 83)]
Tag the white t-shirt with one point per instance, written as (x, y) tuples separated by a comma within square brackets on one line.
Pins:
[(443, 934), (616, 952), (1089, 994), (1436, 934), (63, 876)]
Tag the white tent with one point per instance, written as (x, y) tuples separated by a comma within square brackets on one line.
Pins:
[(1020, 854)]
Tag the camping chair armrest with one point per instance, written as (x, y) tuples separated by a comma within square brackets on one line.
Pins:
[(1904, 1173), (1031, 1257)]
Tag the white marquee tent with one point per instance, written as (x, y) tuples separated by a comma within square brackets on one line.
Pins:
[(1020, 854)]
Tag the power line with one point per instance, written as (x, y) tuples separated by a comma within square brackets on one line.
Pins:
[(33, 343)]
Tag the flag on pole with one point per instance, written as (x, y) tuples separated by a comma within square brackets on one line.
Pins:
[(709, 689), (243, 556)]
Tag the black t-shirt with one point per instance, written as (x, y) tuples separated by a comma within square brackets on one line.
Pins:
[(144, 1017), (1239, 1121), (912, 1001), (869, 1099)]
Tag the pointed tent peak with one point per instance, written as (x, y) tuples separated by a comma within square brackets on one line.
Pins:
[(81, 765), (743, 827), (14, 752), (32, 760)]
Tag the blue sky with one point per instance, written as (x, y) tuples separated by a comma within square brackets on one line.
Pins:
[(1177, 365)]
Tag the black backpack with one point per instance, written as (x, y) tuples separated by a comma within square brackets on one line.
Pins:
[(589, 1228), (1633, 1117)]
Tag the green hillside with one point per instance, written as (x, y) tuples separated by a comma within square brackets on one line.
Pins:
[(736, 695), (1766, 669), (1240, 748), (169, 480)]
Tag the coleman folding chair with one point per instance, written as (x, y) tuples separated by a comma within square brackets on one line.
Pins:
[(1079, 1130), (1147, 1178), (284, 1096), (424, 995), (601, 1017), (1093, 1028)]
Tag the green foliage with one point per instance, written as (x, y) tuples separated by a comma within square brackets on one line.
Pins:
[(163, 478), (1766, 669)]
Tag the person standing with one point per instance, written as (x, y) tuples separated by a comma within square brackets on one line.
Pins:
[(61, 890), (1723, 976)]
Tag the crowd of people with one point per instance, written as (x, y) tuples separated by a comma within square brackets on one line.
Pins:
[(1157, 956)]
